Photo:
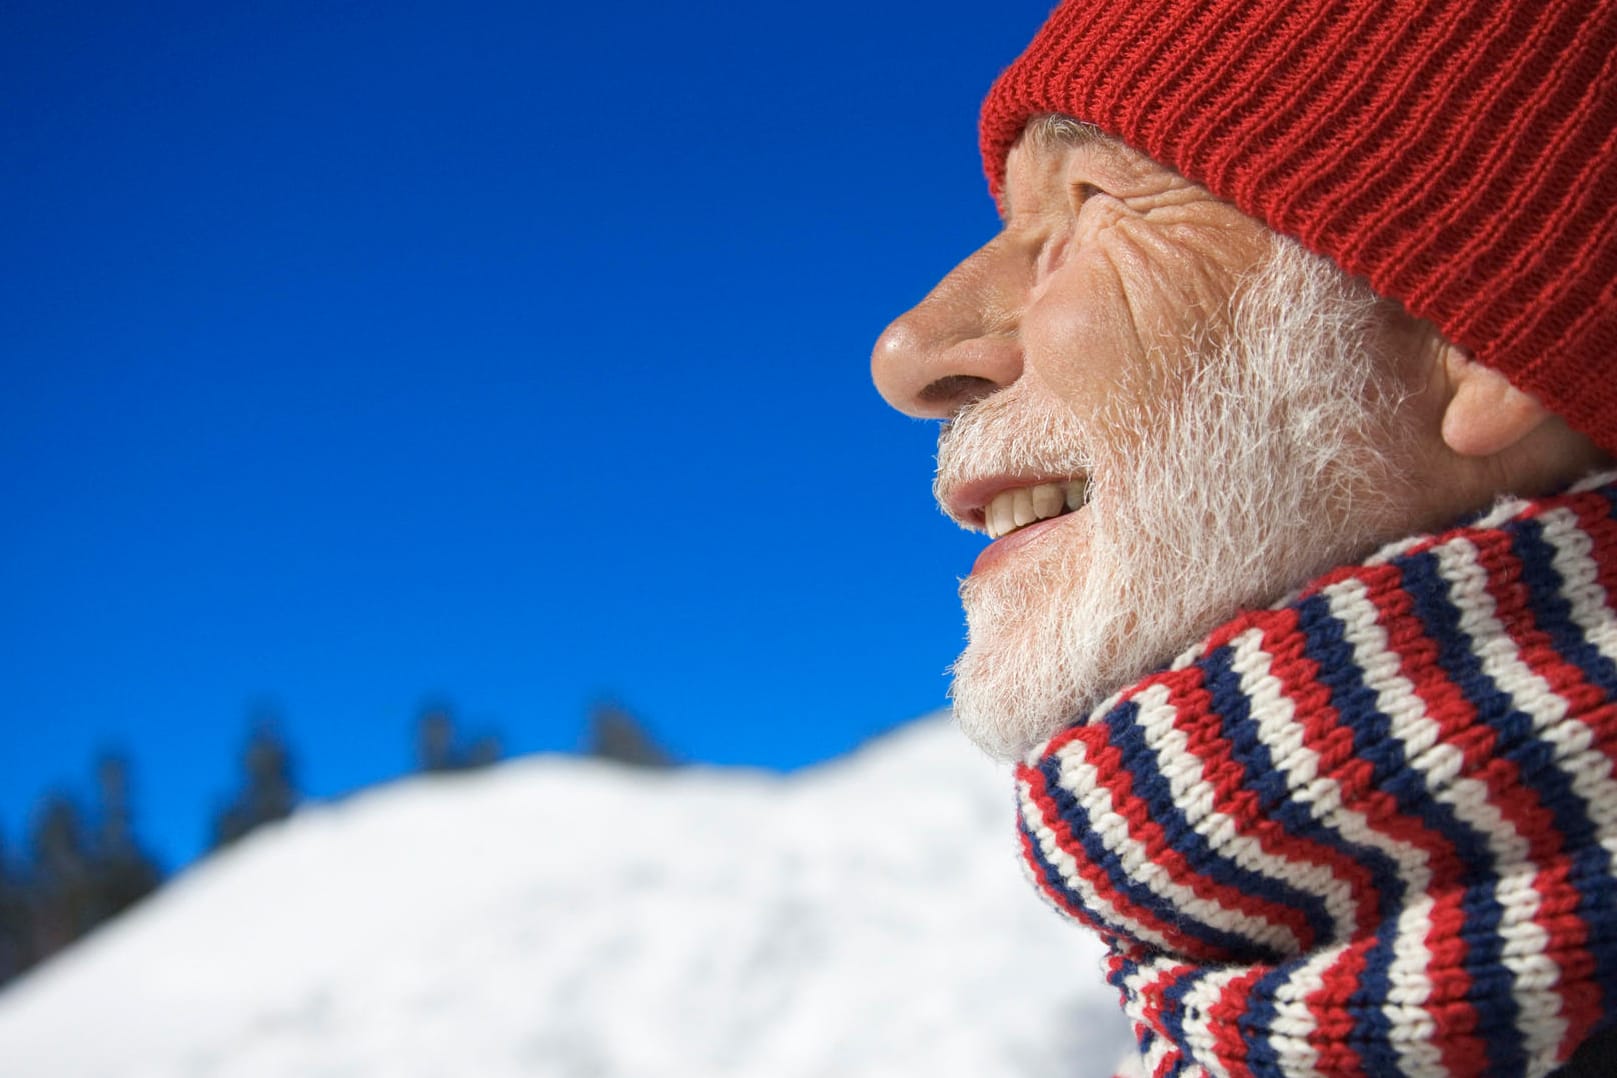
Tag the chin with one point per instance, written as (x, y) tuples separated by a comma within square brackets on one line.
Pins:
[(998, 709), (1029, 665)]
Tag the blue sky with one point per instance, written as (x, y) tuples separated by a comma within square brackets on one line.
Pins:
[(357, 355)]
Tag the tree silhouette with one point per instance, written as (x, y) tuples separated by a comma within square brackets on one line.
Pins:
[(439, 746), (123, 872), (435, 740), (616, 735), (268, 791), (63, 891), (16, 921), (78, 874)]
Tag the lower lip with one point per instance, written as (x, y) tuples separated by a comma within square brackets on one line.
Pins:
[(1002, 548)]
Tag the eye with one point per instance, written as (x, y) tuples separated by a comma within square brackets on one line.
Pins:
[(1082, 191)]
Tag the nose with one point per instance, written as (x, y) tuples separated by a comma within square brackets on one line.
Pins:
[(957, 345)]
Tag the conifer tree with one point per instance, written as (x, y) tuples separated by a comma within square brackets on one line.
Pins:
[(485, 751), (439, 745), (268, 791), (435, 740), (63, 903), (123, 872), (16, 924), (616, 735), (79, 873)]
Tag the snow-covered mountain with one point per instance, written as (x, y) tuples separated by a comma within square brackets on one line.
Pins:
[(558, 917)]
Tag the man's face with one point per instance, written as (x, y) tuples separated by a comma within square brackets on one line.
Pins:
[(1159, 411)]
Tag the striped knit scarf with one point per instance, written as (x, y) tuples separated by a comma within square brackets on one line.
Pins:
[(1369, 831)]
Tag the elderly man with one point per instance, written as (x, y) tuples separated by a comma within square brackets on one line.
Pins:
[(1282, 395)]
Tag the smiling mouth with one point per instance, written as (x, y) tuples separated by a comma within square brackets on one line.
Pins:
[(1010, 510)]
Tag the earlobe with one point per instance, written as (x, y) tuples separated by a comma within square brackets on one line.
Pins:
[(1485, 413)]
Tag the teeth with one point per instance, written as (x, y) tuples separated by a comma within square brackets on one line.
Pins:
[(1013, 509), (1022, 507), (1001, 517)]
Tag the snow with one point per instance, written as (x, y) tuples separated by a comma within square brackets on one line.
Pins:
[(570, 918)]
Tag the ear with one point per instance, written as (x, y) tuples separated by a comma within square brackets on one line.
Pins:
[(1485, 413)]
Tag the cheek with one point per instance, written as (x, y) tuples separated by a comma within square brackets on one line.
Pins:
[(1110, 329), (1078, 338)]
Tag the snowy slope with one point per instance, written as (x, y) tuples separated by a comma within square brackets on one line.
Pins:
[(554, 917)]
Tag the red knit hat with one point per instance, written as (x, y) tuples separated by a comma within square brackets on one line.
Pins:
[(1460, 155)]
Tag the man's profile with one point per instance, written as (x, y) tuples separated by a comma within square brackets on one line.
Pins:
[(1283, 395)]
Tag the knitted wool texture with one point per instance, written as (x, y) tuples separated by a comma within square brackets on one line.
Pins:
[(1460, 155), (1370, 831)]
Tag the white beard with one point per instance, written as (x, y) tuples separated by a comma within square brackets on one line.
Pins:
[(1274, 455)]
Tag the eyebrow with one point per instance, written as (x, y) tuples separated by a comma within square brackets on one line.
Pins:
[(1057, 131)]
